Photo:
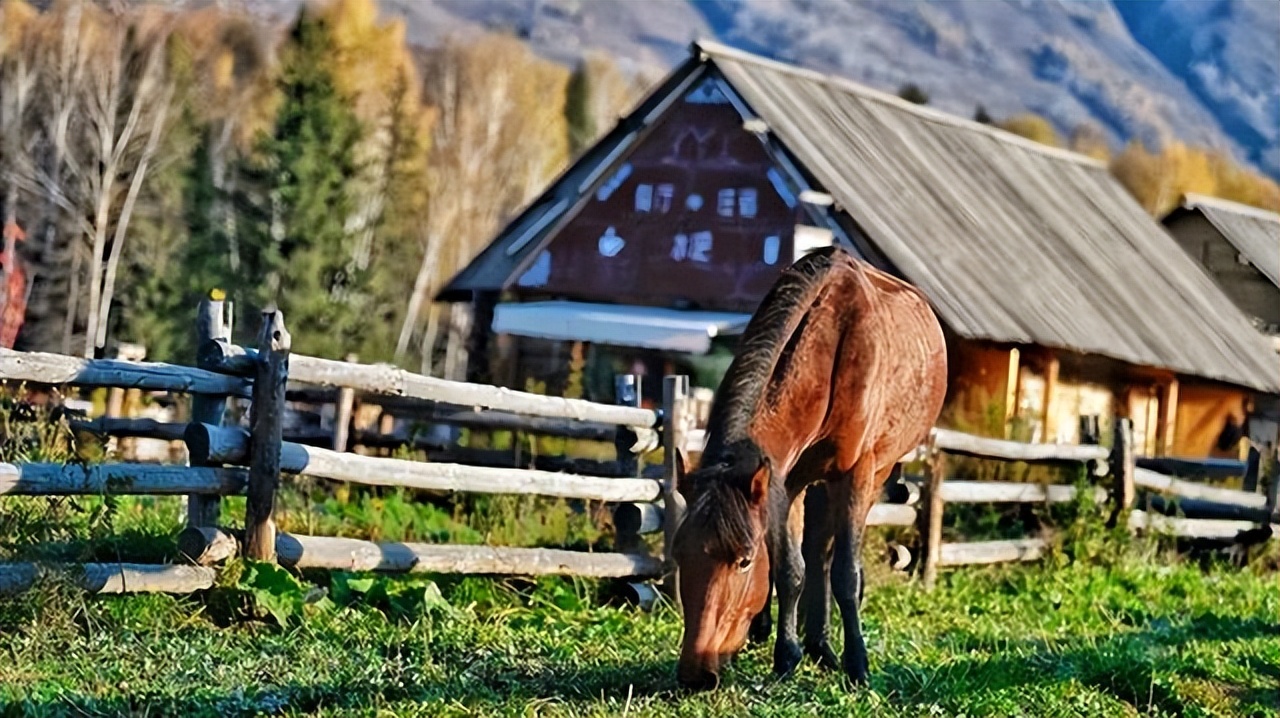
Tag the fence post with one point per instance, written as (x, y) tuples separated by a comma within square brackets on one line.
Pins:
[(930, 517), (675, 391), (1252, 466), (1272, 474), (266, 425), (213, 323), (342, 412), (1123, 464), (626, 391)]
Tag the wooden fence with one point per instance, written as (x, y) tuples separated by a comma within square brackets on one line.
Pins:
[(227, 460)]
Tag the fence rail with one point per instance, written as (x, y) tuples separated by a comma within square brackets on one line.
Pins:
[(230, 460)]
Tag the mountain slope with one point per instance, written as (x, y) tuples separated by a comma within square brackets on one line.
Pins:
[(1203, 71)]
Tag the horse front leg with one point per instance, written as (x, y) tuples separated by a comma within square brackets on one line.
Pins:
[(846, 569), (762, 624), (788, 571), (816, 601)]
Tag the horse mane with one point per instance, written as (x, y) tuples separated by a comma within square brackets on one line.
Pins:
[(731, 457), (768, 334)]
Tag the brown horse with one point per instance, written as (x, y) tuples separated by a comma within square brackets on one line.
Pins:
[(840, 372)]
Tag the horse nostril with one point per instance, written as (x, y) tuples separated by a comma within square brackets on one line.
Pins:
[(703, 680)]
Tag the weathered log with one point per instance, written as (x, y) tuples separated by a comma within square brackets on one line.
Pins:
[(984, 552), (960, 443), (95, 479), (675, 403), (501, 420), (929, 519), (996, 492), (1193, 528), (229, 444), (140, 428), (266, 420), (1147, 479), (110, 577), (213, 324), (891, 515), (59, 370), (207, 545), (899, 556), (358, 555), (633, 518), (390, 380)]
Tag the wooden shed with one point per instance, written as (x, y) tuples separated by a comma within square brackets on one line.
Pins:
[(1239, 246), (1060, 296)]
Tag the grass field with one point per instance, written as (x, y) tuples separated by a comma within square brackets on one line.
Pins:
[(1103, 627), (1130, 636)]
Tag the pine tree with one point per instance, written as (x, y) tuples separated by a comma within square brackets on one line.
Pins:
[(298, 247)]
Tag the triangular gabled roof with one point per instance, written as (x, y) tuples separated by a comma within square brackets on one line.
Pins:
[(1254, 232), (1012, 241)]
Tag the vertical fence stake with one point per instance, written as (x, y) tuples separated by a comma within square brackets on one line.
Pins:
[(675, 391), (1123, 465), (1271, 472), (930, 518), (1252, 466), (213, 323), (342, 412), (266, 432), (626, 391)]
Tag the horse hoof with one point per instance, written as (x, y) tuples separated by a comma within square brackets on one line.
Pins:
[(786, 656), (825, 657), (857, 671)]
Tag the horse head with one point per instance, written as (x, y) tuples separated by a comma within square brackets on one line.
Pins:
[(721, 552)]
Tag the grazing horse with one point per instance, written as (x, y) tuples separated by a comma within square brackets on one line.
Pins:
[(841, 371)]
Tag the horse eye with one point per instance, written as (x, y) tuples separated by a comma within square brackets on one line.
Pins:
[(744, 563)]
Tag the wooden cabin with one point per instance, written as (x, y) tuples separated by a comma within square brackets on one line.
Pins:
[(1239, 246), (1060, 296)]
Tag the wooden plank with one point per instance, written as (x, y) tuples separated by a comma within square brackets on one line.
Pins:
[(229, 445), (1051, 371), (60, 370), (1193, 528), (987, 552), (118, 479), (266, 420), (386, 379), (961, 443), (1152, 481), (358, 555), (983, 492), (111, 578), (1168, 423)]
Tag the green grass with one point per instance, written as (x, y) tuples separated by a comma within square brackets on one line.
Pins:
[(1077, 641), (1105, 626)]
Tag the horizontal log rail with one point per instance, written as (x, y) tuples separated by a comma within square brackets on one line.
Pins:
[(212, 445), (960, 443), (108, 578), (1196, 528), (1147, 479), (135, 479), (136, 428), (390, 380), (985, 552), (996, 492), (60, 370), (209, 546)]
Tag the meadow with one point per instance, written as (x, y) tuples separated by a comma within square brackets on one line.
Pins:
[(1131, 632)]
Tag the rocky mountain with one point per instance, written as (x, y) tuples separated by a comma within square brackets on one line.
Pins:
[(1203, 71)]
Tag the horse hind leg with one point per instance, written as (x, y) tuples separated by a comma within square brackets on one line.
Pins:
[(816, 601)]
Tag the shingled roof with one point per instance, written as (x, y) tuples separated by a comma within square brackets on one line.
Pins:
[(1255, 233), (1012, 241)]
